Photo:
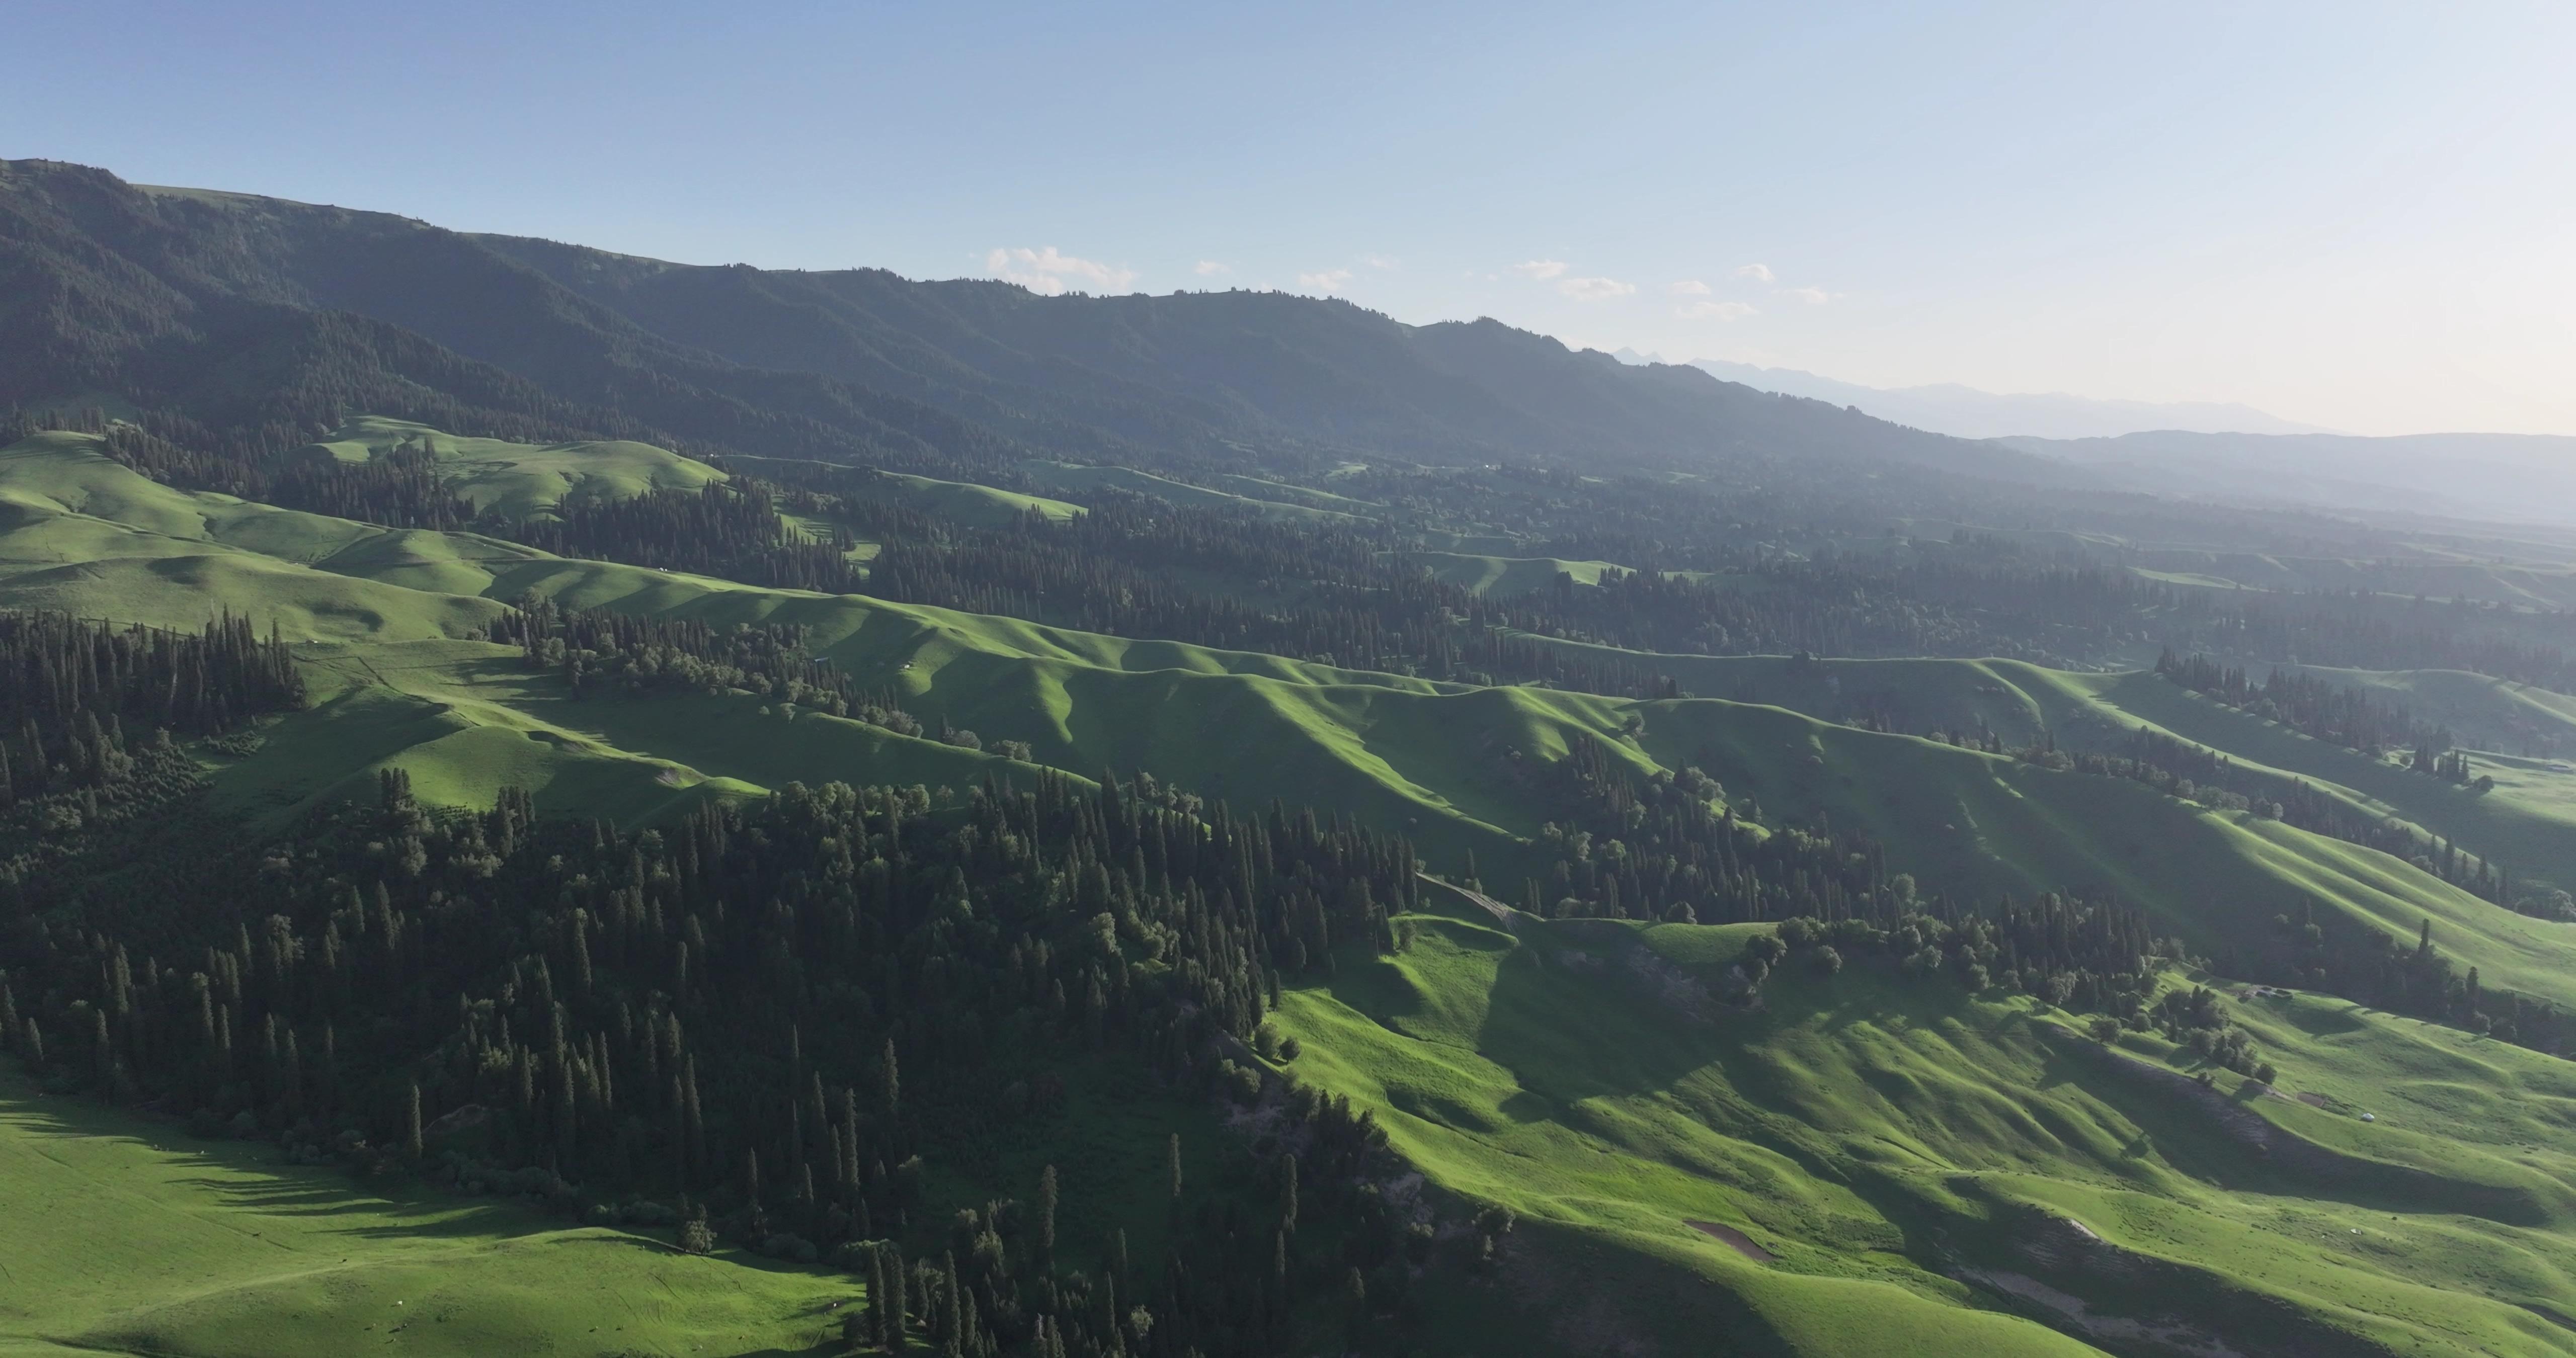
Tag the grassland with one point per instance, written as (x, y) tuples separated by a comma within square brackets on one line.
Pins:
[(1428, 759), (1908, 1157), (957, 501), (523, 480), (1246, 493), (2528, 823), (1904, 1155), (1503, 576), (219, 1248)]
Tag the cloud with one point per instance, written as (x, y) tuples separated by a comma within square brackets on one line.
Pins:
[(1377, 261), (1328, 280), (1044, 271), (1209, 268), (1716, 311), (1688, 287), (1759, 273), (1540, 269), (1810, 296), (1595, 289)]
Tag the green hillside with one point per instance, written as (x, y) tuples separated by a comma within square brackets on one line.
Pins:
[(220, 1248), (1898, 1159), (1900, 1163), (2528, 822), (1248, 493), (1330, 838), (957, 501), (1505, 575), (1405, 754), (520, 480)]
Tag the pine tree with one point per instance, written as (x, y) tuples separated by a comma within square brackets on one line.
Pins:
[(412, 1149), (1046, 1218)]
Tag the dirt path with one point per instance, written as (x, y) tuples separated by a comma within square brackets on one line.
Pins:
[(1734, 1239)]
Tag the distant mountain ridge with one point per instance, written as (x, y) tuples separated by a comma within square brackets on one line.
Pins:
[(1966, 412), (256, 314), (2513, 478)]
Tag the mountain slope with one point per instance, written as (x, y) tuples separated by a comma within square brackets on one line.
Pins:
[(1949, 408), (207, 303), (1869, 1164), (2514, 478), (1447, 765)]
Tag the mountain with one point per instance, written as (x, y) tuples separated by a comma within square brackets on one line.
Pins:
[(2522, 478), (898, 816), (1948, 408), (247, 313)]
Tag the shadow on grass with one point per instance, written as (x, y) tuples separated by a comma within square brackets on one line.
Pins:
[(257, 1180)]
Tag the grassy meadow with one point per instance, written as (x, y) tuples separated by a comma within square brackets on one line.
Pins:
[(1858, 1165)]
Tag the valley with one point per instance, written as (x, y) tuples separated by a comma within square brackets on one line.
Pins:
[(1206, 825)]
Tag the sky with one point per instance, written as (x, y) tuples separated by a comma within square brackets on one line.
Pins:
[(2359, 216)]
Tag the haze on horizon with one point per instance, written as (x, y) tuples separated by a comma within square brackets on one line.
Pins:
[(2351, 217)]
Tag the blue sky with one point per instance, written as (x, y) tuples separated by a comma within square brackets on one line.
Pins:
[(2358, 215)]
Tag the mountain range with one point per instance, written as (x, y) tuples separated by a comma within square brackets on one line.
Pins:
[(243, 311), (1966, 412)]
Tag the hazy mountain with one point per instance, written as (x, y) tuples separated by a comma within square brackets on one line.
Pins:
[(242, 312), (1949, 408), (2514, 477)]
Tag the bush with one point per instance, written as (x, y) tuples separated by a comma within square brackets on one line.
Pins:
[(696, 1236)]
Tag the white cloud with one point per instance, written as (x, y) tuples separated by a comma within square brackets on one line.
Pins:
[(1810, 296), (1595, 289), (1540, 269), (1759, 273), (1209, 268), (1377, 261), (1328, 280), (1044, 271), (1715, 311), (1688, 287)]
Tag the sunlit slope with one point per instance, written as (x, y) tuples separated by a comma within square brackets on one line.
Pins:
[(215, 1248), (466, 719), (1888, 1143), (1246, 493), (519, 480), (2527, 824), (1502, 576), (2483, 712), (1435, 761), (1962, 820)]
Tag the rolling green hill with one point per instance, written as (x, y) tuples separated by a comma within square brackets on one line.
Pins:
[(521, 480), (1868, 1165), (1504, 575), (2528, 823), (1422, 758), (1859, 1163), (218, 1248)]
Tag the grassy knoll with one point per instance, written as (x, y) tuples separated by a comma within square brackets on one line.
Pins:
[(2528, 823), (1508, 575), (1907, 1156), (219, 1248), (1432, 760), (1248, 493), (520, 480), (957, 501)]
